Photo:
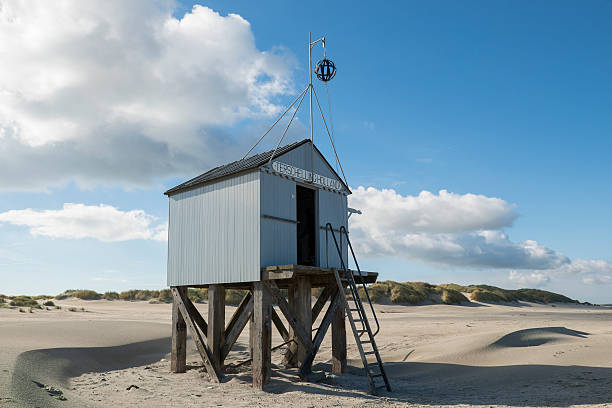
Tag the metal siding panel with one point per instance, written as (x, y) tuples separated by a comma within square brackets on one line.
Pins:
[(278, 238), (332, 209), (213, 233), (301, 157)]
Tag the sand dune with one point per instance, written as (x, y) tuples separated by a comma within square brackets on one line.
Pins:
[(537, 337), (437, 355)]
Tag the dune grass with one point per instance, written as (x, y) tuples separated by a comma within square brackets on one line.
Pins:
[(24, 301), (385, 292), (488, 293), (110, 296), (412, 293)]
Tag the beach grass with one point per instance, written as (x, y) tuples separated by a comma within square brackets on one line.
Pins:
[(24, 301)]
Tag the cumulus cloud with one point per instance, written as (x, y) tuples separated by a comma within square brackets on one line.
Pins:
[(427, 212), (529, 278), (592, 271), (102, 222), (444, 228), (123, 92)]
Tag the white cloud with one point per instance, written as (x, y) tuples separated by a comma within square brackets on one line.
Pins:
[(122, 92), (529, 278), (101, 222), (592, 271), (444, 228), (427, 212)]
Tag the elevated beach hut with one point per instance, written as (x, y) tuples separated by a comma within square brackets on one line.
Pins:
[(271, 221), (232, 221)]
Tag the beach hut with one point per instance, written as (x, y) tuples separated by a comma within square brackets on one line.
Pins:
[(232, 221), (269, 222)]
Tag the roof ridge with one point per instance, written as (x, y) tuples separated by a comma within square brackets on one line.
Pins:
[(249, 162)]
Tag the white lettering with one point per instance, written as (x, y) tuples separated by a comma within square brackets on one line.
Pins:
[(302, 174)]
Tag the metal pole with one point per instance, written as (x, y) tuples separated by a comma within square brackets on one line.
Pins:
[(310, 82), (311, 127)]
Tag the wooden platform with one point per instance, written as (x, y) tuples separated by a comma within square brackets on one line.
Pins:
[(214, 339)]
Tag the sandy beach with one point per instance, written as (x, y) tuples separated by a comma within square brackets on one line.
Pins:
[(480, 355)]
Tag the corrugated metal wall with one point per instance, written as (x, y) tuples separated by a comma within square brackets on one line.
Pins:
[(301, 157), (332, 209), (278, 237), (214, 233)]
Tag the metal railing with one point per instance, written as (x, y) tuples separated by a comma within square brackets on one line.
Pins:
[(349, 275)]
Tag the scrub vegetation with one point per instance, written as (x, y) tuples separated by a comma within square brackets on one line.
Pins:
[(412, 293), (384, 292), (487, 293)]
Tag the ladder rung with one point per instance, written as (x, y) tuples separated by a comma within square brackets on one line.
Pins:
[(369, 352), (376, 375), (353, 310)]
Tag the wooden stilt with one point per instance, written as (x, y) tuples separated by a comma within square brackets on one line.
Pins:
[(216, 323), (178, 354), (290, 358), (327, 292), (305, 368), (339, 341), (251, 334), (241, 317), (181, 299), (302, 336), (262, 336), (303, 311)]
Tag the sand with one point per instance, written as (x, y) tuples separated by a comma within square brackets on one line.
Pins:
[(437, 355)]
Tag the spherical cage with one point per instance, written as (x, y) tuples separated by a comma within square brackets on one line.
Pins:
[(325, 70)]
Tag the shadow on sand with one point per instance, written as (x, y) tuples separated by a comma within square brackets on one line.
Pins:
[(412, 382), (55, 366)]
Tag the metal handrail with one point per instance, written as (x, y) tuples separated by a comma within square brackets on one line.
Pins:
[(348, 241), (346, 271)]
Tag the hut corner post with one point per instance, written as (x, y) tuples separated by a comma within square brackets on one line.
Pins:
[(216, 323), (261, 335), (178, 354), (339, 341)]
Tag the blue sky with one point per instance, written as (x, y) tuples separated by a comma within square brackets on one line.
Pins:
[(495, 99)]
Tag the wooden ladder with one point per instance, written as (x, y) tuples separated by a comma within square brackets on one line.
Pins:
[(358, 319)]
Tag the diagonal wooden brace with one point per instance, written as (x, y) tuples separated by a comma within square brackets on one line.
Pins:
[(236, 325), (302, 336), (306, 367), (182, 301), (327, 292)]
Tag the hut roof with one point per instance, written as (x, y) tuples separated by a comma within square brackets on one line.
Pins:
[(242, 165)]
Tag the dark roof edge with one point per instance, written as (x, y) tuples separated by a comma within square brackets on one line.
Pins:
[(186, 186)]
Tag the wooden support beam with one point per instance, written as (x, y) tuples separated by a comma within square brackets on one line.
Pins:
[(339, 341), (240, 318), (303, 311), (290, 357), (302, 336), (306, 367), (282, 330), (262, 336), (195, 313), (251, 334), (181, 299), (216, 323), (178, 353), (327, 292)]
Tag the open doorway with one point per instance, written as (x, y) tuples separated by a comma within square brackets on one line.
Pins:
[(306, 226)]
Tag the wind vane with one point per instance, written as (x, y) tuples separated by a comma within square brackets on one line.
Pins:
[(325, 71)]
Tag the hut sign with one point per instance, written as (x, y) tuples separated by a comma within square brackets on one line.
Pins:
[(302, 174)]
